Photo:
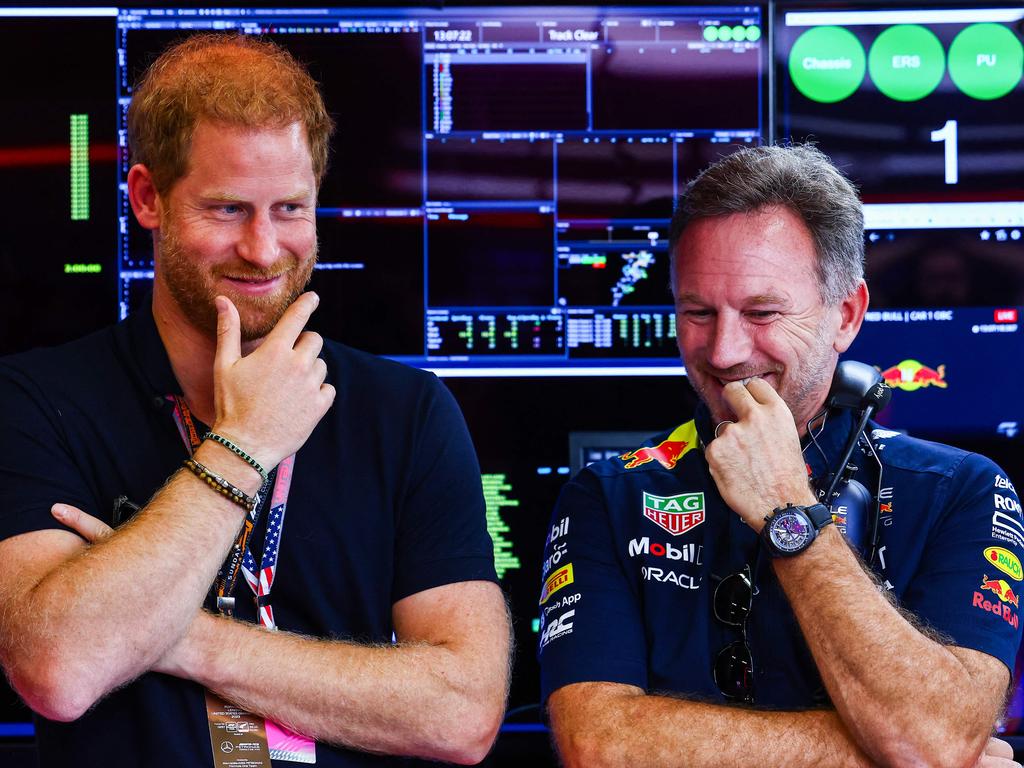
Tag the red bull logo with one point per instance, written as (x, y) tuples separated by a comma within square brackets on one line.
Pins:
[(911, 374), (1003, 611), (668, 452), (885, 509), (1001, 589)]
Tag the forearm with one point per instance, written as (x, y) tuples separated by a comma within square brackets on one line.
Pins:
[(437, 701), (892, 684), (605, 726), (108, 612)]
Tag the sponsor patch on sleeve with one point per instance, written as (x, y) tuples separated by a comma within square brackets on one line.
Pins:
[(560, 578), (995, 596), (1005, 561), (560, 626)]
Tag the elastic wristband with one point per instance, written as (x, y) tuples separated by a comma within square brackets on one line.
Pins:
[(222, 486), (238, 452)]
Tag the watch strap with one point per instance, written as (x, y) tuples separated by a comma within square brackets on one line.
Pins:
[(819, 514)]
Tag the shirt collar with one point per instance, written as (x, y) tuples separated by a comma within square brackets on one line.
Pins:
[(146, 355)]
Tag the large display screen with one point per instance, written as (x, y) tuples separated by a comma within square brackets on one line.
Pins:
[(917, 105)]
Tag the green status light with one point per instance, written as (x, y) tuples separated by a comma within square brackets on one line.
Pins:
[(907, 62), (986, 61), (827, 64), (725, 34)]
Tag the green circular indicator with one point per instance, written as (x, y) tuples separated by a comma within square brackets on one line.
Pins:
[(725, 34), (986, 61), (907, 62), (827, 64), (739, 33), (753, 33), (711, 34)]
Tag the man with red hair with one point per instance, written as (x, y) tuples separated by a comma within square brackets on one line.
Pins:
[(371, 624)]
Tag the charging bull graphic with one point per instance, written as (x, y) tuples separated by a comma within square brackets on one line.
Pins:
[(1001, 589), (668, 452), (910, 375)]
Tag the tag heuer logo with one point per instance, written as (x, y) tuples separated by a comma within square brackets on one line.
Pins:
[(675, 514)]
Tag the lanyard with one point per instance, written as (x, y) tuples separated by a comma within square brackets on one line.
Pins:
[(240, 558)]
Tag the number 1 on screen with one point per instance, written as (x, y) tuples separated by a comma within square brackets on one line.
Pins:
[(947, 134)]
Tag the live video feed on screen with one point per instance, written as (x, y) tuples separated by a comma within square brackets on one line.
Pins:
[(922, 107)]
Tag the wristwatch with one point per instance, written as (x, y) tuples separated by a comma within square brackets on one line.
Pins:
[(789, 530)]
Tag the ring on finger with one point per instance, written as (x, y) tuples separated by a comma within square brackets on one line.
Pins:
[(722, 424)]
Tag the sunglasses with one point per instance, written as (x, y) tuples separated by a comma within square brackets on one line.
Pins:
[(734, 666)]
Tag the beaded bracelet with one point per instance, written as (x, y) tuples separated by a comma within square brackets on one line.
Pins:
[(222, 486), (211, 435)]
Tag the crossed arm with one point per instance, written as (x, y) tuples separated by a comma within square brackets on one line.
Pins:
[(901, 697), (438, 693)]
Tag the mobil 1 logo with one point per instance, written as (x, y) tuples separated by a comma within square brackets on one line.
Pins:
[(688, 553)]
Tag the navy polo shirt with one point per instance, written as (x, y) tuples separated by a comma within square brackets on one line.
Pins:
[(385, 502), (638, 543)]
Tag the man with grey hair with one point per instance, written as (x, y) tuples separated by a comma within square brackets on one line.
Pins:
[(699, 606)]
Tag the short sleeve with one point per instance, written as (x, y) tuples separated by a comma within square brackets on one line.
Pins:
[(442, 535), (37, 465), (970, 580), (591, 624)]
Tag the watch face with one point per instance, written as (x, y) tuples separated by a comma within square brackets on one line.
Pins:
[(790, 531)]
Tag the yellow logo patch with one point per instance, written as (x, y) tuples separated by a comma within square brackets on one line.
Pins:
[(560, 578), (1005, 561)]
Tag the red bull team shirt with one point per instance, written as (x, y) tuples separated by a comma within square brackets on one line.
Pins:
[(637, 544)]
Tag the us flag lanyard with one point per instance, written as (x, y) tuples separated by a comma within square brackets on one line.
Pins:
[(240, 557)]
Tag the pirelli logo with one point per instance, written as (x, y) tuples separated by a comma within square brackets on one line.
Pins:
[(560, 578)]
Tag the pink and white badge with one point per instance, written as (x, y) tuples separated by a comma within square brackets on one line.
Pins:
[(287, 745)]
